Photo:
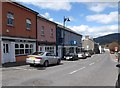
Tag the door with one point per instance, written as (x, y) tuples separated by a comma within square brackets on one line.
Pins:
[(8, 52)]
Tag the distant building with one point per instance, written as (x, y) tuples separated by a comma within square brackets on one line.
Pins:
[(88, 44)]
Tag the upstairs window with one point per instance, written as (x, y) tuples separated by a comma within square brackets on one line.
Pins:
[(10, 19), (28, 24), (42, 31), (51, 32)]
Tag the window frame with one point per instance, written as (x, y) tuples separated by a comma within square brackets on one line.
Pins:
[(51, 33), (42, 31), (28, 24), (29, 49), (10, 19)]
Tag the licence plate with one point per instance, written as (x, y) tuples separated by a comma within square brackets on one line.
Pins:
[(67, 57), (32, 58)]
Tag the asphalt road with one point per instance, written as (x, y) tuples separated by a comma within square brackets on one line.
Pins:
[(99, 70)]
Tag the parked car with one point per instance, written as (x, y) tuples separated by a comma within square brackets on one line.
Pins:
[(112, 52), (71, 56), (118, 65), (42, 58), (87, 54), (81, 55)]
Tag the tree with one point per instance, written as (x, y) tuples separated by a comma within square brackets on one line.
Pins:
[(113, 45)]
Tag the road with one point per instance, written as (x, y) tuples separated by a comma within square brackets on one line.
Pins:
[(98, 70)]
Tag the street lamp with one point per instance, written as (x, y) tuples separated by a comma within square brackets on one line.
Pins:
[(65, 19)]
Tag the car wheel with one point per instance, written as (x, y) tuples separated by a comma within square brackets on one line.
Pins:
[(58, 62), (46, 63), (31, 65)]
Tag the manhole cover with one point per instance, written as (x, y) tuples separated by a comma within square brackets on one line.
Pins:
[(42, 82)]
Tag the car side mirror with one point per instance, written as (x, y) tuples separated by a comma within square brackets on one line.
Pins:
[(118, 65)]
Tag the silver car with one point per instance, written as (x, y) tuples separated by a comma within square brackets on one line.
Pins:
[(42, 58)]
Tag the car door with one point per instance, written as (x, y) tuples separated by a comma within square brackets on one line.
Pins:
[(54, 60), (49, 57)]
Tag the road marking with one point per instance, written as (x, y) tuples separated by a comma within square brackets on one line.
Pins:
[(19, 68), (92, 63), (77, 70)]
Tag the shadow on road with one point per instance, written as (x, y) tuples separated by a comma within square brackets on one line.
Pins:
[(13, 64)]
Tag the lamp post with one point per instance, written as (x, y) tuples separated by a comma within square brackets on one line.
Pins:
[(65, 19)]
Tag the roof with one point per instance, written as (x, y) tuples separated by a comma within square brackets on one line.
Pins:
[(39, 16), (22, 6), (68, 29)]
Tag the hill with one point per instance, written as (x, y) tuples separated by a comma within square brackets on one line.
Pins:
[(108, 39)]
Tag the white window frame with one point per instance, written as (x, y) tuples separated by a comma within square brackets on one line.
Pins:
[(49, 49), (28, 24), (42, 30), (10, 17), (30, 49)]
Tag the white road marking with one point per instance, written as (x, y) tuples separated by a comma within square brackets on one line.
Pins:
[(77, 70), (92, 63), (18, 68)]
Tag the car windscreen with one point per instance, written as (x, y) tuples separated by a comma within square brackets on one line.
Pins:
[(38, 53)]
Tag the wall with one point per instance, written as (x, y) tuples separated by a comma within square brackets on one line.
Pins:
[(88, 42), (0, 28), (20, 16), (47, 26), (70, 37)]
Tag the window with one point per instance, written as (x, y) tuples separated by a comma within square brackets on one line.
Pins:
[(42, 30), (51, 32), (10, 19), (5, 48), (49, 49), (71, 49), (28, 24), (22, 49)]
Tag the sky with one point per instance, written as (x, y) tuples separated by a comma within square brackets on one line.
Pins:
[(87, 17)]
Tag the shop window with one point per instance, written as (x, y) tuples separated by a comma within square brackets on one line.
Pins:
[(10, 19), (71, 50), (49, 49), (16, 46), (24, 49)]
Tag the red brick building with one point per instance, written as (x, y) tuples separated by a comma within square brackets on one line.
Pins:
[(19, 28), (46, 35)]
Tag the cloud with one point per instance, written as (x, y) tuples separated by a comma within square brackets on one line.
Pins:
[(47, 15), (99, 7), (45, 4), (103, 18), (95, 31)]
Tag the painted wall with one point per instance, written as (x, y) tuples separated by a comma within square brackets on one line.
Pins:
[(47, 27), (72, 39), (20, 16), (69, 37), (88, 44)]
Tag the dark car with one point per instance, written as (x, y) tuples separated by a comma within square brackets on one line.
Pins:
[(118, 65), (71, 56)]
